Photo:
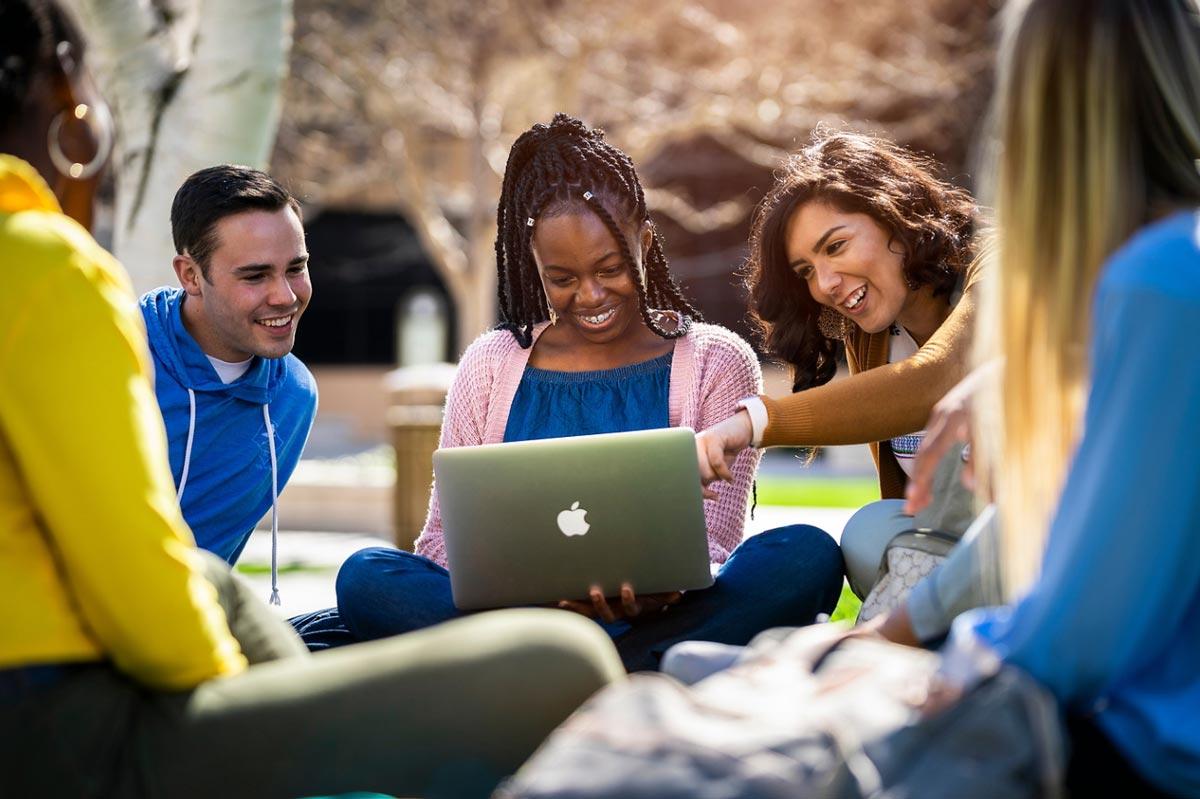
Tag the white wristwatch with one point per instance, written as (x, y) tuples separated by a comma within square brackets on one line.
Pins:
[(757, 410)]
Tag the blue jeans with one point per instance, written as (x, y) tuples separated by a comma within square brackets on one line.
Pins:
[(783, 577)]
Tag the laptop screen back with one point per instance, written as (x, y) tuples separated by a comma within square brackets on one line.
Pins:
[(538, 521)]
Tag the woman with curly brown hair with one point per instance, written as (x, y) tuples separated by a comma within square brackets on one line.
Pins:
[(858, 246)]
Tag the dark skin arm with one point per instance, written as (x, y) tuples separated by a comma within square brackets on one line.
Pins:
[(626, 606)]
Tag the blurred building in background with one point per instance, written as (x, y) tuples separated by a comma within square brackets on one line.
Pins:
[(398, 116)]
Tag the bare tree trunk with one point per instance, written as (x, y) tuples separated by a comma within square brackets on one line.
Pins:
[(477, 311), (192, 83)]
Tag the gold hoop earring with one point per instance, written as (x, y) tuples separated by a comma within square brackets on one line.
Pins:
[(104, 141)]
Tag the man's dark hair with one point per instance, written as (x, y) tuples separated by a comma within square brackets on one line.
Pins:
[(557, 169), (212, 194)]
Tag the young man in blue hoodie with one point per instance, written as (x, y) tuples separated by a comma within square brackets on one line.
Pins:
[(238, 405)]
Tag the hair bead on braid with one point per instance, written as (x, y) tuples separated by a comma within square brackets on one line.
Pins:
[(551, 168)]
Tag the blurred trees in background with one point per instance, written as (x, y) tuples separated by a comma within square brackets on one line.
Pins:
[(413, 105), (191, 83)]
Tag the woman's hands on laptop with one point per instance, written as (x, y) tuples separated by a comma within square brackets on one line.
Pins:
[(627, 606), (718, 446)]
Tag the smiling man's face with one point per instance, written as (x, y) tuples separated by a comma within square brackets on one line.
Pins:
[(255, 290)]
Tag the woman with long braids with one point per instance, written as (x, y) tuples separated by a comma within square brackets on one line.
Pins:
[(597, 338)]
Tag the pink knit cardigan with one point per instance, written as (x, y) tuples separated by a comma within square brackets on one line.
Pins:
[(711, 369)]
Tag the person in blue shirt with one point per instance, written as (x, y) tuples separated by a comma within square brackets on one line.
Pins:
[(1094, 463), (238, 406)]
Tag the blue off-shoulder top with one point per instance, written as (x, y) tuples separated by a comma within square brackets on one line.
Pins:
[(553, 404)]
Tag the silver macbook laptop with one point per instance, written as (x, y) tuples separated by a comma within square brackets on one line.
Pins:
[(538, 521)]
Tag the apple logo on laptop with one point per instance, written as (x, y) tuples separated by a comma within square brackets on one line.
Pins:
[(572, 521)]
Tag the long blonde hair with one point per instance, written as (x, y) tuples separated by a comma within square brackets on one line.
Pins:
[(1097, 119)]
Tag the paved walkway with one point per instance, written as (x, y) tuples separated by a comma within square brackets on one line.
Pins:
[(309, 561)]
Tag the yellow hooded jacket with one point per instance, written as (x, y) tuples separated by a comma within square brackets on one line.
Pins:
[(96, 561)]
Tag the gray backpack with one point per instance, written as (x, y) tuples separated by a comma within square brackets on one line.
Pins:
[(910, 557), (800, 719)]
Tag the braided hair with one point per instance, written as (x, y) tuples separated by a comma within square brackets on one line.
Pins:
[(564, 166)]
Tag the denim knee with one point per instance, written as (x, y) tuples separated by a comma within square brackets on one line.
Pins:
[(812, 543), (383, 591), (356, 570), (369, 567), (801, 556)]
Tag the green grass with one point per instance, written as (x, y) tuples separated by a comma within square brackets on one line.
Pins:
[(821, 492), (284, 568), (847, 607)]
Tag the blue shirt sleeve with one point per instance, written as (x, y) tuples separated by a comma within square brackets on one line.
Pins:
[(1123, 555), (968, 579)]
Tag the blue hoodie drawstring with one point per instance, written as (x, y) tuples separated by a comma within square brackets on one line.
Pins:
[(274, 600), (187, 461), (191, 393), (187, 452)]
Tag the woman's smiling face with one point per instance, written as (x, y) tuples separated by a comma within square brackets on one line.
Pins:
[(587, 281), (847, 263)]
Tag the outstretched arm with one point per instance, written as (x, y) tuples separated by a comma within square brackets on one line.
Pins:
[(880, 403)]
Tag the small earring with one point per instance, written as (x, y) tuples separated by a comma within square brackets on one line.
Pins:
[(550, 312)]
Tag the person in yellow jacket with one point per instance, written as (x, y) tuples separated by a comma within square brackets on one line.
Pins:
[(132, 664)]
